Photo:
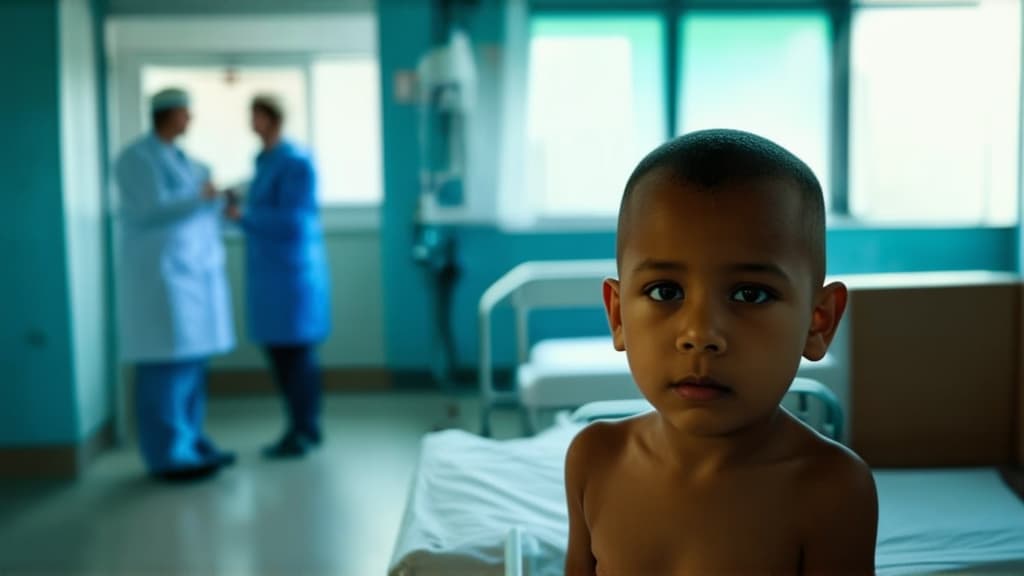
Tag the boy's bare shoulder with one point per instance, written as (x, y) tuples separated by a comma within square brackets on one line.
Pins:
[(599, 443), (828, 460), (833, 477), (836, 489), (603, 434)]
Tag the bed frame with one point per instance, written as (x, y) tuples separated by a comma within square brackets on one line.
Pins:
[(595, 371), (929, 367), (527, 287)]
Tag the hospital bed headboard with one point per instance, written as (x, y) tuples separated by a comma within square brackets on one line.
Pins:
[(931, 363), (935, 374), (536, 285), (545, 284)]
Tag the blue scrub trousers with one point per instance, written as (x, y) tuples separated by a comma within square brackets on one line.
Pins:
[(297, 374), (170, 410)]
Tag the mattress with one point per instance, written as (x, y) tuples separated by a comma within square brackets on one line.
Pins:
[(469, 492), (940, 520)]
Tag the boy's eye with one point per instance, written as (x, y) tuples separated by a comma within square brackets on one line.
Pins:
[(751, 295), (665, 292)]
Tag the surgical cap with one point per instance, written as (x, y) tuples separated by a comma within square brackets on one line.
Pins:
[(169, 98)]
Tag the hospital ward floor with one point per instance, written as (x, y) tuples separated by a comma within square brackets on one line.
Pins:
[(336, 512)]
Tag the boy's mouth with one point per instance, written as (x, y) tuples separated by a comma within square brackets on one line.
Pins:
[(700, 388)]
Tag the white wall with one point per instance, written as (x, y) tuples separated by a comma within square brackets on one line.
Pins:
[(357, 338), (83, 212)]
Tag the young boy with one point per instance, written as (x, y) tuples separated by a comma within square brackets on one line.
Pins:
[(721, 264)]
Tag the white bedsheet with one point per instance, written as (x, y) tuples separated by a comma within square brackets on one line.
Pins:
[(470, 491), (932, 520)]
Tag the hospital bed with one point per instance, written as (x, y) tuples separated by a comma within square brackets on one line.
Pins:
[(486, 507), (936, 426), (565, 373)]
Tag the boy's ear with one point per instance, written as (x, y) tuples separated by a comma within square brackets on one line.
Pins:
[(614, 311), (828, 311)]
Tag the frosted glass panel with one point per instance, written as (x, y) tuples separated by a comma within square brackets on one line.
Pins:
[(346, 131), (934, 113), (766, 73), (595, 106)]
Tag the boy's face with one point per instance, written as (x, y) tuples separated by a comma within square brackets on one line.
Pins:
[(716, 302)]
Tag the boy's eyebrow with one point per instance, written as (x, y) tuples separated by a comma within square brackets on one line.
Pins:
[(762, 268), (654, 264), (675, 266)]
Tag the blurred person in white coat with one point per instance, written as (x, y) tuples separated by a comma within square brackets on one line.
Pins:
[(174, 305)]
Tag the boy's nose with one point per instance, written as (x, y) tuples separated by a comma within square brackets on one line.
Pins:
[(701, 342), (701, 332)]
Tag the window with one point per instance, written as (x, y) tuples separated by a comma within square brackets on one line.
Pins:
[(595, 106), (762, 72), (934, 113), (332, 106), (346, 133), (219, 134), (908, 111)]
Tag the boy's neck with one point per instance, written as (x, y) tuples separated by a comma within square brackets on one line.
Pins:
[(702, 456)]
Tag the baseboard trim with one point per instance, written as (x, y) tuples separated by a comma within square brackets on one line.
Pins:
[(60, 462), (255, 381), (243, 382)]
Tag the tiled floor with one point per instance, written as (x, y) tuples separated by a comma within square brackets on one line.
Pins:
[(337, 512)]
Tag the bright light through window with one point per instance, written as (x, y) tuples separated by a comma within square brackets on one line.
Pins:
[(595, 106), (766, 73), (346, 130), (934, 113), (342, 131), (220, 134)]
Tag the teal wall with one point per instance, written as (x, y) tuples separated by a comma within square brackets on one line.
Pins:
[(37, 404), (404, 33)]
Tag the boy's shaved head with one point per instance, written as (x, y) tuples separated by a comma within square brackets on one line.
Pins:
[(712, 160)]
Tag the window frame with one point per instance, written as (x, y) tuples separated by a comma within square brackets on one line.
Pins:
[(840, 15)]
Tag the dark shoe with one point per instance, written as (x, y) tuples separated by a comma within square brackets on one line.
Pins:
[(223, 458), (189, 473), (314, 438), (291, 445), (211, 453)]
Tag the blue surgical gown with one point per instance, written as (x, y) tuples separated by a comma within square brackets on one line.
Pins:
[(287, 282)]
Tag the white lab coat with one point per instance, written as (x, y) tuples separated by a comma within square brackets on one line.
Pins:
[(174, 302)]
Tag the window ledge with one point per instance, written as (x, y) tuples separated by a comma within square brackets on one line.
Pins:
[(568, 224), (591, 224), (846, 222), (355, 218), (336, 221)]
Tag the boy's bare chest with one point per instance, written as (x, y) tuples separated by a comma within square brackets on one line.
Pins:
[(649, 523)]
